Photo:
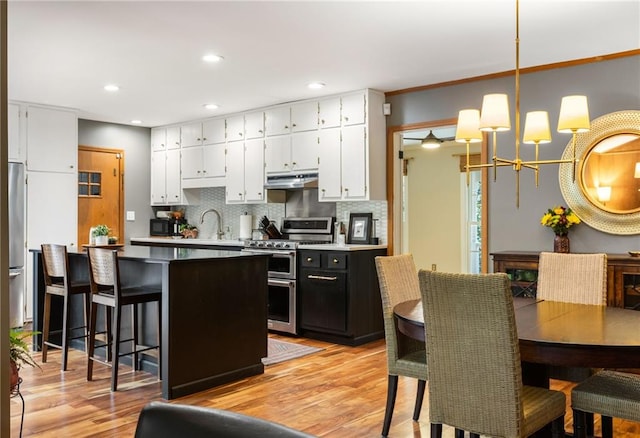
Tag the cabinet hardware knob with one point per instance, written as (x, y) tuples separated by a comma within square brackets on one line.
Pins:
[(204, 138), (346, 189), (309, 259), (240, 134), (293, 164), (322, 121), (286, 126), (71, 166), (294, 125), (346, 119), (286, 164)]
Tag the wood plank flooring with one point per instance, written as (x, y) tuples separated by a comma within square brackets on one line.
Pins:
[(338, 392)]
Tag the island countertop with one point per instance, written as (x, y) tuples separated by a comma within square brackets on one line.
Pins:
[(168, 254)]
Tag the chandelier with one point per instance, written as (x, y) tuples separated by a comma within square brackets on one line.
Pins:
[(494, 117)]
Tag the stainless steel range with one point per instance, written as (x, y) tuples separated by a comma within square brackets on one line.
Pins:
[(282, 314)]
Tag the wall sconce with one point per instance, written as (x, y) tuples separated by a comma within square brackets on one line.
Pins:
[(604, 194)]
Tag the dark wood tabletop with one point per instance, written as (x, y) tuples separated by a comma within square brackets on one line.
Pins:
[(555, 333)]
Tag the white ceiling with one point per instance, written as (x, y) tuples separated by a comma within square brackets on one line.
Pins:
[(63, 53)]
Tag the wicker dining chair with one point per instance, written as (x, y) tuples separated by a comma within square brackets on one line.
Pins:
[(107, 291), (58, 281), (398, 280), (608, 393), (475, 377), (573, 278)]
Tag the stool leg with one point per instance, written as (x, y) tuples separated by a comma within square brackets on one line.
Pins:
[(92, 340), (419, 397), (436, 430), (64, 343), (109, 334), (159, 339), (607, 427), (45, 325), (117, 317), (589, 423), (134, 328), (86, 315), (579, 421), (392, 389)]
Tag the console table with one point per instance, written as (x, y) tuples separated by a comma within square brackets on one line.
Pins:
[(623, 276)]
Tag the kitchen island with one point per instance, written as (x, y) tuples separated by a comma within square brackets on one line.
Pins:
[(214, 311)]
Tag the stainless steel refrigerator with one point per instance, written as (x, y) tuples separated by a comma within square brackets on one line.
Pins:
[(16, 244)]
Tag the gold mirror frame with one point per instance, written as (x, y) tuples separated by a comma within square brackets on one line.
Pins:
[(574, 192)]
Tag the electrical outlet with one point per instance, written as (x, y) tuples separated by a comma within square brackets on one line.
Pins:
[(131, 215)]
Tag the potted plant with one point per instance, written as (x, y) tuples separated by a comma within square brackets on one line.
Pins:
[(101, 234), (19, 354), (188, 231)]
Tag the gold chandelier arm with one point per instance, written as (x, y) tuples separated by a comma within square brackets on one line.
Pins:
[(495, 157)]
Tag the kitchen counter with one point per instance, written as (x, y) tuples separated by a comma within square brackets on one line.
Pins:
[(336, 247), (214, 311), (190, 243)]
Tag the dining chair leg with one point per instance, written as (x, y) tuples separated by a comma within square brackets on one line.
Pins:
[(92, 340), (419, 397), (459, 433), (579, 424), (607, 427), (589, 423), (117, 321), (45, 326), (436, 430), (64, 341), (474, 435), (392, 389)]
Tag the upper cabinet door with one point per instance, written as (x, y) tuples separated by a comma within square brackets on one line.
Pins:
[(52, 140), (304, 150), (15, 148), (254, 125), (277, 154), (329, 113), (235, 128), (173, 137), (277, 121), (158, 139), (191, 135), (304, 116), (213, 131), (354, 109)]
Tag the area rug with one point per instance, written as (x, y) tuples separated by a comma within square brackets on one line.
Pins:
[(280, 351)]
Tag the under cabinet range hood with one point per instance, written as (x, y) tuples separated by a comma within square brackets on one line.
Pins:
[(292, 180)]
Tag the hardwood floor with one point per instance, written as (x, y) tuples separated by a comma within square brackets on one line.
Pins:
[(338, 392)]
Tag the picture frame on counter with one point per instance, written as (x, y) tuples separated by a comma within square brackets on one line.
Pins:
[(360, 227)]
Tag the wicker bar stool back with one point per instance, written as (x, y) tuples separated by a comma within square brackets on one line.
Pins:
[(475, 378), (106, 290), (58, 282)]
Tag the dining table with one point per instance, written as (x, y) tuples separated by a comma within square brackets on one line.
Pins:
[(553, 333)]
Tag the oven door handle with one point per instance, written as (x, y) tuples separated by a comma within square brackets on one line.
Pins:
[(278, 282), (321, 277)]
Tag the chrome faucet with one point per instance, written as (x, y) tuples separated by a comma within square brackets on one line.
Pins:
[(219, 233)]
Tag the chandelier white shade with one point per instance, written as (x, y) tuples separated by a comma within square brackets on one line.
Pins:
[(574, 115), (494, 115), (536, 128), (468, 128)]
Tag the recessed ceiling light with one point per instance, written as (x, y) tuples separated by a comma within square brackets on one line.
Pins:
[(212, 58), (316, 85), (210, 106), (136, 122), (111, 87)]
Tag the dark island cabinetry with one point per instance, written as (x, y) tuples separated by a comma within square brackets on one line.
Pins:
[(339, 297)]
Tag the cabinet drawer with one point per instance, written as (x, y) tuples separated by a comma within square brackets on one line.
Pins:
[(336, 261), (310, 260)]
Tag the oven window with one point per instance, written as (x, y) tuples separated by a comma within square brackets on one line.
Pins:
[(279, 303), (280, 264)]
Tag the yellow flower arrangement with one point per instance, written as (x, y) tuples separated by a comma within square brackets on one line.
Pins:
[(560, 219)]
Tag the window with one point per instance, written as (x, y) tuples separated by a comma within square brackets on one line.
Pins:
[(89, 184)]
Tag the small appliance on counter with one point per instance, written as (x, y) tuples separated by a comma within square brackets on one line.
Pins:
[(168, 226)]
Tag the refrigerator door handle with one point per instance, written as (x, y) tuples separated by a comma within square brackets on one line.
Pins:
[(13, 274)]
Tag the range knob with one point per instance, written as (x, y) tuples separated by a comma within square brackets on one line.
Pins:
[(260, 244), (286, 245), (269, 245), (277, 245)]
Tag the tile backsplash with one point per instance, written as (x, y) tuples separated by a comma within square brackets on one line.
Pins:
[(275, 211)]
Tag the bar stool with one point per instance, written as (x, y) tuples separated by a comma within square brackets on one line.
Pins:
[(55, 265), (106, 290)]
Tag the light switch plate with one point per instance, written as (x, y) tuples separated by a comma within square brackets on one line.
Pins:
[(131, 215)]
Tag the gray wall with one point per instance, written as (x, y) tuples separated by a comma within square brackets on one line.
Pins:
[(609, 85), (135, 141)]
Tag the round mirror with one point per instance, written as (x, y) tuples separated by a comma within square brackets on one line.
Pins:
[(606, 190)]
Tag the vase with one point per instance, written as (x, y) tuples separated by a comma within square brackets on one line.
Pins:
[(102, 240), (561, 243)]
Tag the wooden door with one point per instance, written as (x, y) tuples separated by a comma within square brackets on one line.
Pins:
[(100, 191)]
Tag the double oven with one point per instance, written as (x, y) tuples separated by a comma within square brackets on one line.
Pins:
[(282, 276)]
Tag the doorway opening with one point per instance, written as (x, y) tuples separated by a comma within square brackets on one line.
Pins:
[(434, 214), (100, 191)]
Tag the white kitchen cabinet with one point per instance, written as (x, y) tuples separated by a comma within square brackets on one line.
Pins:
[(353, 156), (16, 147), (329, 113), (254, 125), (203, 166), (277, 121), (165, 138), (277, 154), (213, 131), (297, 152), (235, 128), (52, 140), (166, 186), (245, 172), (304, 116), (353, 109), (191, 135)]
